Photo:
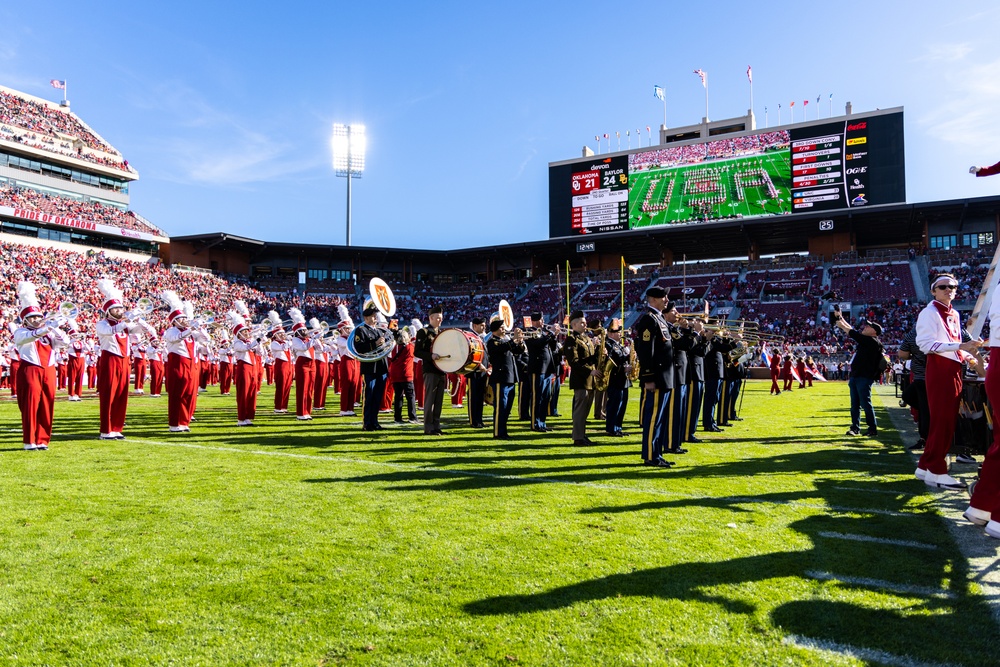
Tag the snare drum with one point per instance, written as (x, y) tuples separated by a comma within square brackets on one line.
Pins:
[(460, 351)]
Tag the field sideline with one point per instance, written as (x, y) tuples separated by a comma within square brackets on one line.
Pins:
[(780, 541)]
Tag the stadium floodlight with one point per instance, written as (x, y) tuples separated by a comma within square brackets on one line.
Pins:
[(348, 144)]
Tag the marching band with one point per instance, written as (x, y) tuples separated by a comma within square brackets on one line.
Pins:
[(378, 359)]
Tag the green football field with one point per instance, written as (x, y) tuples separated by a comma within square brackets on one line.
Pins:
[(667, 188), (777, 542)]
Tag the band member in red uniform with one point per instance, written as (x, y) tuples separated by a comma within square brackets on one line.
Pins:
[(36, 376), (986, 171), (181, 370), (303, 348), (350, 367), (114, 362), (284, 367), (322, 366), (226, 364), (155, 356), (245, 351), (138, 345), (74, 367), (775, 363), (15, 362), (939, 336)]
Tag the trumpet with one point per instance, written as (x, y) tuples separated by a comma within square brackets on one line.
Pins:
[(143, 306)]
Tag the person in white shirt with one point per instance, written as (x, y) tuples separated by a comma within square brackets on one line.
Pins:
[(183, 345), (113, 362)]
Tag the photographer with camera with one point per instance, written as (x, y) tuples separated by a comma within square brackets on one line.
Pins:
[(867, 364)]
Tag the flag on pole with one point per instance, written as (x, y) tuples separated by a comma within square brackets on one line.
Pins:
[(606, 136), (749, 74), (704, 77), (618, 134), (791, 104), (831, 96), (56, 83), (658, 93), (817, 99), (805, 103)]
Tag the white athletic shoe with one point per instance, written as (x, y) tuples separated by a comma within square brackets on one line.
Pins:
[(42, 447), (176, 429), (186, 429), (993, 529), (977, 516), (920, 474), (303, 417), (108, 436), (138, 392), (31, 447), (944, 481)]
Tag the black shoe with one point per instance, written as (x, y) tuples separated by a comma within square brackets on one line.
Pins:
[(919, 444), (693, 438), (714, 429), (725, 424), (736, 419), (677, 450), (555, 414), (586, 442), (870, 433), (853, 432), (501, 437), (439, 432), (658, 463)]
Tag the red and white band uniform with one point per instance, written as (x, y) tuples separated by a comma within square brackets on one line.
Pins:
[(939, 336), (334, 367), (113, 366), (322, 376), (15, 362), (284, 372), (61, 362), (350, 377), (986, 495), (226, 362), (181, 372), (75, 365), (36, 380), (5, 379), (138, 362), (90, 361), (154, 358), (304, 352), (245, 354), (268, 367)]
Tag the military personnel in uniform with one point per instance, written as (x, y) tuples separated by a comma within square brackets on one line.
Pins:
[(502, 350), (375, 373), (478, 379), (683, 341), (653, 347), (581, 354), (434, 378), (541, 348), (618, 382)]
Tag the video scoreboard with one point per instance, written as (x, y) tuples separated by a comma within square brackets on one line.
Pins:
[(813, 167)]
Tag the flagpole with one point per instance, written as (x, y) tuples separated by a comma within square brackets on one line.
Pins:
[(664, 109), (567, 288), (65, 91), (623, 290), (765, 118)]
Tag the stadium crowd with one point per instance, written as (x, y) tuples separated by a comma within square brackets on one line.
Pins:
[(88, 211)]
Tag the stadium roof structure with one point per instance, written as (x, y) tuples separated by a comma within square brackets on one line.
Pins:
[(880, 226)]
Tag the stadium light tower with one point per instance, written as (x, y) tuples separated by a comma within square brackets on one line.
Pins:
[(348, 158)]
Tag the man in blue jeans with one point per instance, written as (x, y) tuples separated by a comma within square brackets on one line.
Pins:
[(865, 369)]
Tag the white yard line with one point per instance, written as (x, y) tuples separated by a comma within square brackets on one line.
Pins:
[(892, 586), (863, 654)]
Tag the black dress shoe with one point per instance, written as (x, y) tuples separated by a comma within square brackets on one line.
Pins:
[(714, 429), (736, 419), (693, 438), (658, 463), (677, 450), (725, 424), (501, 437)]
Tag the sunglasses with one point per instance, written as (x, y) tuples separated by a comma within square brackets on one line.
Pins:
[(954, 287)]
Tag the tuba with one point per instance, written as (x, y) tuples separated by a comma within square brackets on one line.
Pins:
[(385, 302)]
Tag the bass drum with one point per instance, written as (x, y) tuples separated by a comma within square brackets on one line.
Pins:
[(460, 351)]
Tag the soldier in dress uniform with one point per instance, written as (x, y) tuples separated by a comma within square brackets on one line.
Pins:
[(581, 353), (502, 350), (541, 348), (618, 382), (375, 373), (434, 377), (654, 349)]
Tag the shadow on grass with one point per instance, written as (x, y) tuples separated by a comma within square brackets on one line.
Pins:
[(860, 575)]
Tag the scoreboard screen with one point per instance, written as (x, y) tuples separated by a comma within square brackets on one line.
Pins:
[(814, 167)]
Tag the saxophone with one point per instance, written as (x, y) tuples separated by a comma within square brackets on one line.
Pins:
[(604, 363), (633, 364)]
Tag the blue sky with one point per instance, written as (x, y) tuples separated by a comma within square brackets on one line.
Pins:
[(225, 108)]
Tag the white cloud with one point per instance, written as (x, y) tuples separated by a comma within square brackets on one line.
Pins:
[(964, 113), (206, 145)]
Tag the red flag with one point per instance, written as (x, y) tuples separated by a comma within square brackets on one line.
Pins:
[(791, 104), (749, 74), (805, 103)]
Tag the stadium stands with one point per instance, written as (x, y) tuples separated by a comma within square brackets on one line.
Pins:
[(88, 211), (49, 127)]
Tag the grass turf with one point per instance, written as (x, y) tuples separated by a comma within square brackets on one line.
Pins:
[(318, 544)]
